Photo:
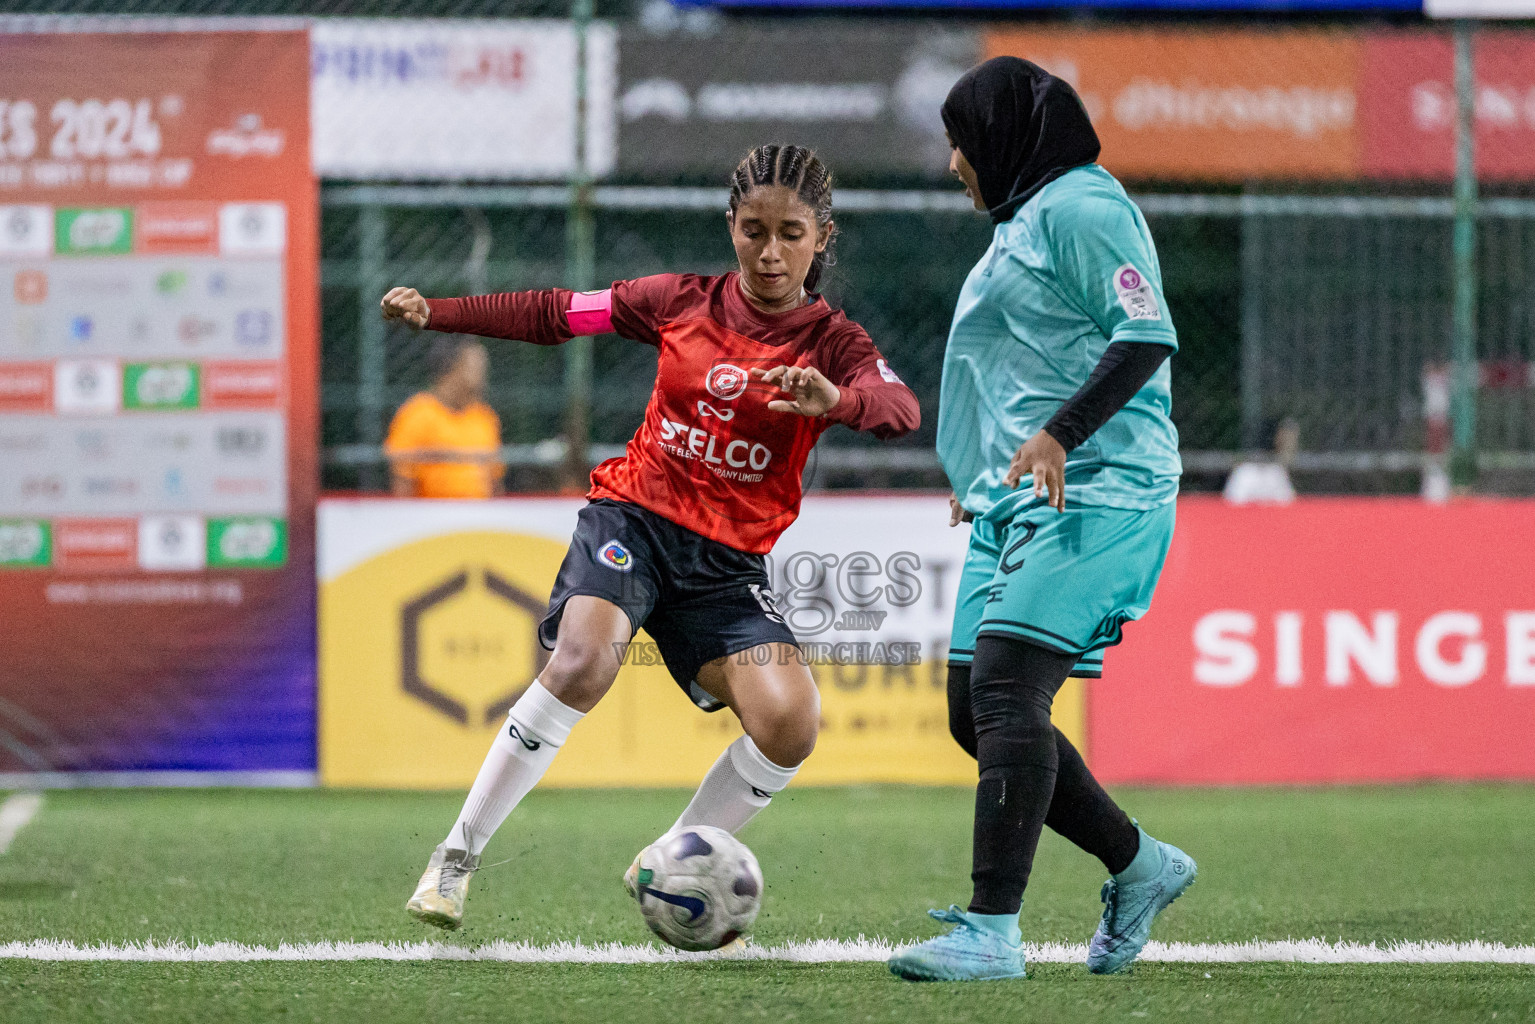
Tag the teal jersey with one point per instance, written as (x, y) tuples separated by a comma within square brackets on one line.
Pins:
[(1074, 270)]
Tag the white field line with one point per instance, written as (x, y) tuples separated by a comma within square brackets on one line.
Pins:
[(15, 813), (859, 950)]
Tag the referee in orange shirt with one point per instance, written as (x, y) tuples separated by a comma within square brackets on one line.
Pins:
[(445, 442)]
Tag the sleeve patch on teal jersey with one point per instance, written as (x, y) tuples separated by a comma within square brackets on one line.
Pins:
[(1135, 294)]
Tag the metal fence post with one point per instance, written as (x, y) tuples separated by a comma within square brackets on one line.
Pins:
[(580, 269), (1252, 331), (1463, 347), (372, 393)]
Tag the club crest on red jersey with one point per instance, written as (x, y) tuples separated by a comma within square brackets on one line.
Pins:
[(725, 381)]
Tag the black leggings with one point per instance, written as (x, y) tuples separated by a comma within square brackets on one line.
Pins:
[(1030, 774)]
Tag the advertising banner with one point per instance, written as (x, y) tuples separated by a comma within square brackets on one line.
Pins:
[(1479, 8), (496, 100), (427, 619), (1408, 105), (1170, 6), (1360, 640), (426, 99), (865, 96), (1215, 105), (158, 226)]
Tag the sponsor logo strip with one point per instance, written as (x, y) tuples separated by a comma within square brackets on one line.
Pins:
[(253, 229), (26, 387), (86, 386), (172, 543), (103, 231), (25, 544), (96, 543), (26, 230), (242, 384), (185, 227), (255, 543), (160, 385)]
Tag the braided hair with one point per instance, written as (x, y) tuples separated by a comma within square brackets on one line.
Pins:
[(793, 167)]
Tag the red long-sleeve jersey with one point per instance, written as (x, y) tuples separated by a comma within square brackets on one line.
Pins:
[(710, 455)]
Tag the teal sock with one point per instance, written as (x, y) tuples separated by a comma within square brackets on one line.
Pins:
[(1147, 862), (1005, 925)]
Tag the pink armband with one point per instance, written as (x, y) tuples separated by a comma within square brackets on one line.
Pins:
[(590, 312)]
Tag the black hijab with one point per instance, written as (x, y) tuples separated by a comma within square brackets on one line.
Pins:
[(1020, 127)]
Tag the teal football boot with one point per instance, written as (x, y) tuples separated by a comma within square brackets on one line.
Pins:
[(970, 952), (1162, 873)]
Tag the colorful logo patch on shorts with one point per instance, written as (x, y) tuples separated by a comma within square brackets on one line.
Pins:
[(615, 556)]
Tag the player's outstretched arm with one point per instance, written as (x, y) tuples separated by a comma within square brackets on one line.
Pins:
[(539, 317)]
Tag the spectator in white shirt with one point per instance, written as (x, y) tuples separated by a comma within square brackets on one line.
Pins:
[(1267, 482)]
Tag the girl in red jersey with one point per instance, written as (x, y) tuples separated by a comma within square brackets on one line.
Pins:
[(753, 367)]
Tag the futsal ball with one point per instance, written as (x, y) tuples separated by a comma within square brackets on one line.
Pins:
[(699, 888)]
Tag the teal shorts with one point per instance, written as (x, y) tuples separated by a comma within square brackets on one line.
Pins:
[(1067, 581)]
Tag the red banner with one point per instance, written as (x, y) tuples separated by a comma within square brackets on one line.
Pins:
[(1240, 104), (1407, 105), (1335, 640)]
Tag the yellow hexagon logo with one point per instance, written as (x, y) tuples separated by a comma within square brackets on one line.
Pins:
[(469, 645)]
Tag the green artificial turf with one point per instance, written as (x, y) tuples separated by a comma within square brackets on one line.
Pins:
[(1448, 863), (332, 993)]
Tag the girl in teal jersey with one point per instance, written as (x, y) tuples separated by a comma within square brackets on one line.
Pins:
[(1055, 375)]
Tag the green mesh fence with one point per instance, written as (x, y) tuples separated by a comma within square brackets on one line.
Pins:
[(1327, 310)]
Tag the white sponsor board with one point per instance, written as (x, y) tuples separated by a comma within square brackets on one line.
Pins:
[(1479, 8), (213, 463), (866, 583), (458, 99), (850, 571)]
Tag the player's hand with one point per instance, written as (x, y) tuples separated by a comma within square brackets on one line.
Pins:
[(813, 394), (406, 304), (957, 514), (1043, 458)]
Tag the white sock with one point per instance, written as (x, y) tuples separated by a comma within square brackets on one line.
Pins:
[(741, 783), (537, 726)]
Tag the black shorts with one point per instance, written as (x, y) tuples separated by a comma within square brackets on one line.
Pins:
[(697, 598)]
